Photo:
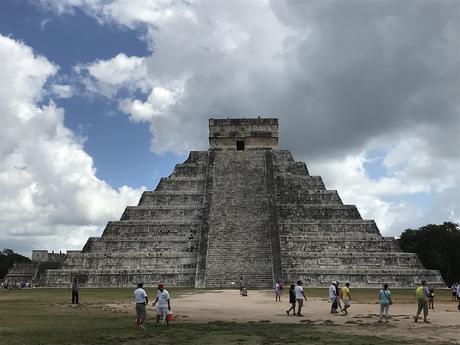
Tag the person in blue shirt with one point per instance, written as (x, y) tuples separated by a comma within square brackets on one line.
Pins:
[(385, 302)]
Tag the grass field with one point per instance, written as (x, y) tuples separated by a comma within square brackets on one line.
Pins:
[(45, 316)]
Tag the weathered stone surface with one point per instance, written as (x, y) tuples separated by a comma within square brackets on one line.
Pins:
[(323, 240), (239, 243), (34, 272), (243, 134), (243, 208)]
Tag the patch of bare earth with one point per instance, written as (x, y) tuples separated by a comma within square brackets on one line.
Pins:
[(260, 306)]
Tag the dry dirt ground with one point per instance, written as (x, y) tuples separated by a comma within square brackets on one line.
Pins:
[(259, 306)]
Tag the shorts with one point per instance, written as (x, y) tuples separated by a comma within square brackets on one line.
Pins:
[(300, 302), (162, 310), (277, 293), (346, 302), (140, 309)]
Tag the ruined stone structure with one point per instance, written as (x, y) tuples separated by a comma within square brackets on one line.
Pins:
[(34, 272), (242, 208)]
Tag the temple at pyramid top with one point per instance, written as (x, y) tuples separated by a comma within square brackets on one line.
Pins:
[(243, 134)]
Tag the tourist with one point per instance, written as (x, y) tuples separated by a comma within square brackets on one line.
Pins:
[(458, 288), (346, 298), (278, 291), (292, 300), (454, 291), (385, 302), (431, 298), (333, 297), (164, 304), (337, 293), (299, 296), (422, 293), (458, 295), (141, 299), (75, 292)]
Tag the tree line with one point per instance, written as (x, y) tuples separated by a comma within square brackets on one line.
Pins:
[(437, 246)]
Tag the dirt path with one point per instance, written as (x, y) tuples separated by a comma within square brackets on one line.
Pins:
[(259, 306)]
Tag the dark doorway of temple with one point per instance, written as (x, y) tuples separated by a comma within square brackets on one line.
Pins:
[(240, 145)]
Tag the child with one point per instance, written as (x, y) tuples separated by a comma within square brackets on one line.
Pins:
[(291, 299), (278, 291)]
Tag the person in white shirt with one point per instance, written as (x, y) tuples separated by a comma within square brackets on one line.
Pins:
[(454, 291), (333, 297), (163, 304), (141, 299), (299, 296), (278, 291)]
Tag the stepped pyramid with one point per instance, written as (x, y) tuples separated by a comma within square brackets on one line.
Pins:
[(242, 208)]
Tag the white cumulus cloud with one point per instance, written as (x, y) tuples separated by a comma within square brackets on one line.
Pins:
[(107, 77), (344, 78), (50, 194), (62, 91)]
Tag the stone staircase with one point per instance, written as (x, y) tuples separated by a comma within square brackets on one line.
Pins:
[(242, 208), (239, 243), (323, 240), (157, 240), (225, 214)]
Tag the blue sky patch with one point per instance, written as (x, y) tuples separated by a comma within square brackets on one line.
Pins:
[(374, 164)]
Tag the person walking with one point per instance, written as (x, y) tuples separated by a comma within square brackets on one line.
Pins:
[(422, 293), (164, 304), (278, 291), (454, 291), (385, 302), (458, 296), (299, 296), (75, 292), (333, 297), (346, 298), (431, 298), (337, 293), (141, 299), (292, 300)]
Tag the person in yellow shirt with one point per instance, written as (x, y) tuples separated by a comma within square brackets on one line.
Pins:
[(345, 297), (422, 293)]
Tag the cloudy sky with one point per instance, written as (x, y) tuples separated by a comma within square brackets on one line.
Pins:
[(101, 98)]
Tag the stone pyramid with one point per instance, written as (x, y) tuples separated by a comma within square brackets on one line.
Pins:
[(242, 208)]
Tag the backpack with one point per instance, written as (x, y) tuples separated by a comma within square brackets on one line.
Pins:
[(419, 292)]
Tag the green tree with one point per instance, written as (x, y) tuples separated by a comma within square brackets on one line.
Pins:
[(437, 246), (7, 258)]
